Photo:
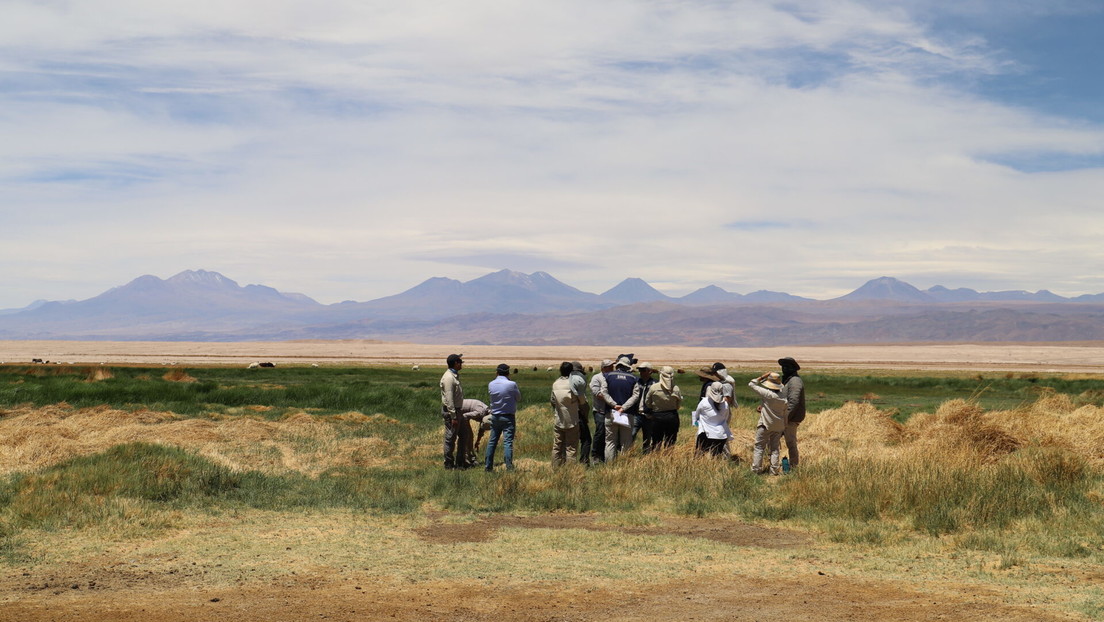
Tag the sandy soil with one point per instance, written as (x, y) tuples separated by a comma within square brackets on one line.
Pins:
[(1080, 357), (121, 590)]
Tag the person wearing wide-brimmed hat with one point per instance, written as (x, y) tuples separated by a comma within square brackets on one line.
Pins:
[(663, 401), (772, 421), (711, 417), (793, 389)]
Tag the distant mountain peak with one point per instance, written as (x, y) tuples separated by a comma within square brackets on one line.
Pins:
[(205, 278), (888, 288), (633, 290)]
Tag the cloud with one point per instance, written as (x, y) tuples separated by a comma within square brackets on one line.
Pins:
[(353, 149)]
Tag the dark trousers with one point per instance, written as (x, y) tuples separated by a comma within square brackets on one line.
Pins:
[(712, 446), (642, 424), (663, 429), (584, 438), (599, 441)]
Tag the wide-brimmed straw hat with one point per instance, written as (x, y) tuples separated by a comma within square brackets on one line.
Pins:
[(773, 381), (706, 373)]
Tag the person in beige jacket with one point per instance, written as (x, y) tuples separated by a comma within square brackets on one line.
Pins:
[(457, 430), (772, 421), (566, 406), (662, 404)]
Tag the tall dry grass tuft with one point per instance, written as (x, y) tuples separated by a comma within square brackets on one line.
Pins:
[(97, 374), (178, 375)]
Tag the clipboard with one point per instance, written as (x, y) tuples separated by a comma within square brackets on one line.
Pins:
[(621, 419)]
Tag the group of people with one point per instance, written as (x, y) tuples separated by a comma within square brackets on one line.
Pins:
[(622, 405)]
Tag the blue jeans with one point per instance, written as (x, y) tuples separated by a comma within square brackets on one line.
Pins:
[(504, 425)]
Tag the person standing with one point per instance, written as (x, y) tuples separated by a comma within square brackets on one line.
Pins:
[(566, 405), (772, 421), (711, 417), (637, 410), (505, 396), (662, 402), (793, 389), (601, 407), (579, 386), (452, 403), (619, 384)]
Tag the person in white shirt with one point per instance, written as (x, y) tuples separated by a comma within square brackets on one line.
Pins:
[(711, 417)]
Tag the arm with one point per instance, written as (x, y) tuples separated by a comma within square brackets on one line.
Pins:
[(634, 399)]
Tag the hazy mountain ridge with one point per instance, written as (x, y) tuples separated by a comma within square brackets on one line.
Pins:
[(507, 307)]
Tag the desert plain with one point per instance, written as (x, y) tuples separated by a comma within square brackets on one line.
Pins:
[(437, 564)]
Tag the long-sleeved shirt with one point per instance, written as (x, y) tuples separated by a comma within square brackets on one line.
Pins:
[(658, 400), (474, 409), (599, 389), (794, 392), (636, 400), (578, 384), (566, 404), (772, 413), (711, 418), (452, 394), (505, 396)]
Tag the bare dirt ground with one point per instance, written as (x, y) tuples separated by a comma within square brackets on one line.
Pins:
[(1082, 357), (107, 588)]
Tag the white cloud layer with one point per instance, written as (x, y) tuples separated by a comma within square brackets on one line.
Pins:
[(352, 149)]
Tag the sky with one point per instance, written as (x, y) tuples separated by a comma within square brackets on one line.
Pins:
[(350, 149)]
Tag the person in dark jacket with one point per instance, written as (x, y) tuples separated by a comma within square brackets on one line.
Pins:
[(793, 390), (619, 384)]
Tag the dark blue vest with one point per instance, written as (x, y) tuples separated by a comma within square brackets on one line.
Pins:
[(620, 385)]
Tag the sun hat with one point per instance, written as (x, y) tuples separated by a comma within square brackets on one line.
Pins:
[(606, 363), (667, 378), (706, 373), (715, 392), (773, 381), (645, 365), (625, 362)]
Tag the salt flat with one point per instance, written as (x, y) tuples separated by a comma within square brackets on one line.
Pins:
[(1075, 357)]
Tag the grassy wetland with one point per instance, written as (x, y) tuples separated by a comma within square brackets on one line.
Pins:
[(921, 494)]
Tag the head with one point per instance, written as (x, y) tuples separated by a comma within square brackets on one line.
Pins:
[(566, 368), (773, 381), (577, 367), (607, 366), (624, 363), (503, 369), (667, 377), (645, 370), (789, 366), (715, 392), (455, 361)]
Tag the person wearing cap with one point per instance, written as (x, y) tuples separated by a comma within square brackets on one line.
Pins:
[(711, 417), (477, 412), (793, 389), (579, 387), (662, 402), (620, 384), (452, 402), (602, 405), (635, 407), (566, 406), (772, 421), (505, 396)]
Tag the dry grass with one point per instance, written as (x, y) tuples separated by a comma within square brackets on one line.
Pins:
[(34, 438)]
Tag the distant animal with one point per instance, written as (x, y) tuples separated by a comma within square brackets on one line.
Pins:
[(415, 368), (40, 361), (267, 364), (515, 371), (549, 368), (314, 364), (534, 368)]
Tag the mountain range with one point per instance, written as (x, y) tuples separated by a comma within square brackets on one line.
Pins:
[(508, 307)]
